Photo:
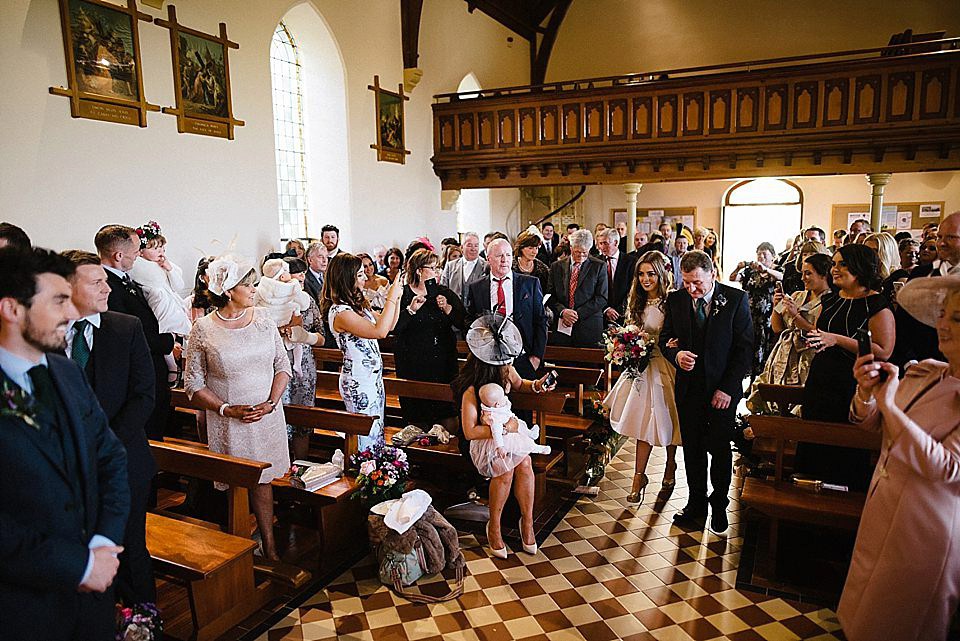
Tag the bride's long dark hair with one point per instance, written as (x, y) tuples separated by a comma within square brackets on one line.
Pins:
[(637, 300)]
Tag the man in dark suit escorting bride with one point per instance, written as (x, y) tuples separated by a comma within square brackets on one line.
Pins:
[(712, 353)]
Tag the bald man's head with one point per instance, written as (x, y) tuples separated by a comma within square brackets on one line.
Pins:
[(948, 239)]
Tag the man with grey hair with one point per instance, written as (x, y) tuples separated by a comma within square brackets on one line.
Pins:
[(316, 257), (708, 336), (619, 269), (580, 293), (459, 274)]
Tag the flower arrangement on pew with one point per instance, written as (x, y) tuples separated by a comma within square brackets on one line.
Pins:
[(628, 347), (382, 473), (141, 622)]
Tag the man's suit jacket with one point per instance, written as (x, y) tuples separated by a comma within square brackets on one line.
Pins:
[(122, 378), (590, 299), (313, 287), (728, 341), (452, 275), (619, 289), (47, 517), (915, 341), (528, 313), (548, 254), (132, 301)]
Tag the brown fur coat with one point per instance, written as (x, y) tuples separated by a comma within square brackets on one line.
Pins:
[(441, 547)]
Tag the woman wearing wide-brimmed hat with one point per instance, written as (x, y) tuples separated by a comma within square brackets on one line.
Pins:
[(904, 578), (494, 342)]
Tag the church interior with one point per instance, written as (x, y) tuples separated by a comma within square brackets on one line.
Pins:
[(401, 119)]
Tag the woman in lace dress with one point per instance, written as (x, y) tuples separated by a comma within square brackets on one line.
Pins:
[(643, 406), (237, 369), (356, 328)]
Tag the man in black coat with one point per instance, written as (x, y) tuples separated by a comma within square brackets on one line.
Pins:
[(712, 331), (112, 350), (63, 491), (916, 341), (522, 302), (119, 247), (548, 248), (619, 268), (580, 320)]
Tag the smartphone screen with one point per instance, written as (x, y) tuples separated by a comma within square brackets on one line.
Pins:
[(778, 286), (551, 379)]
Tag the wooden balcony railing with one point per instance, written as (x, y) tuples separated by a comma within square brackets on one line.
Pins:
[(867, 110)]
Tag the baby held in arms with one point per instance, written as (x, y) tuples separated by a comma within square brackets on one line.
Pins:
[(280, 294), (496, 412)]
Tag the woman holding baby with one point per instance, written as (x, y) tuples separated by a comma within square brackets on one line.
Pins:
[(482, 387)]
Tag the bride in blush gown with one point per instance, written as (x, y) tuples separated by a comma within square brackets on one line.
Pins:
[(643, 406)]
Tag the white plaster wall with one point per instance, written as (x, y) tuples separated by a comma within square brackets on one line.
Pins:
[(62, 178), (612, 37)]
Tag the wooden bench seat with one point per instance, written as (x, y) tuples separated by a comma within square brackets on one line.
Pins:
[(779, 498)]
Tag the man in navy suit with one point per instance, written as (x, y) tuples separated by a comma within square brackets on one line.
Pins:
[(517, 296), (316, 258), (619, 268), (548, 247), (579, 312), (63, 491), (112, 351), (708, 336), (119, 247)]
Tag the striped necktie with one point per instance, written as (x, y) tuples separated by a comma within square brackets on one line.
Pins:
[(574, 279)]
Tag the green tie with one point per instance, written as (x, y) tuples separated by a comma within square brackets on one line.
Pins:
[(80, 351), (701, 312)]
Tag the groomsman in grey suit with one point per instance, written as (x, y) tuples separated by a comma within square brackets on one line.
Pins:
[(458, 275)]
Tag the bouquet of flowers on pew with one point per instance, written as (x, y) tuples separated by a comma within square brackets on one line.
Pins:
[(382, 473), (141, 622), (628, 347)]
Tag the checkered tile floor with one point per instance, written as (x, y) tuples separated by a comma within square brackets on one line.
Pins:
[(608, 571)]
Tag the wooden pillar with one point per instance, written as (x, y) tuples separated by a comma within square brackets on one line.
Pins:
[(631, 190), (877, 183)]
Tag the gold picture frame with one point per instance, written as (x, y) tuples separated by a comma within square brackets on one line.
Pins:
[(391, 141), (201, 79), (101, 46)]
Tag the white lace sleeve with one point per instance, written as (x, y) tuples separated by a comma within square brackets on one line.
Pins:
[(195, 368)]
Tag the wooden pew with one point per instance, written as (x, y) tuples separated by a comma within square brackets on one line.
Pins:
[(779, 498), (217, 568)]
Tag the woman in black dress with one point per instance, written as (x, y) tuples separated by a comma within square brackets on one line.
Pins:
[(830, 384), (425, 344)]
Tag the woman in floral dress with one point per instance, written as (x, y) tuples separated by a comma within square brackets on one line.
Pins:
[(356, 328), (759, 280)]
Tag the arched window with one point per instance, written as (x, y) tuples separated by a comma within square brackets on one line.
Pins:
[(755, 211), (289, 134)]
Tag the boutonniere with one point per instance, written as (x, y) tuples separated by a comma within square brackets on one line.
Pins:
[(718, 303), (16, 403)]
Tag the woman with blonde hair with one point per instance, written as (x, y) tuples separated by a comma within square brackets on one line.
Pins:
[(642, 404), (886, 248)]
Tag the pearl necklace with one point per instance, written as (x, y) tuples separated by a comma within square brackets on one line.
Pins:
[(228, 320)]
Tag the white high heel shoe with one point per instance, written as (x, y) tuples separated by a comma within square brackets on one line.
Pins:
[(529, 549), (500, 553)]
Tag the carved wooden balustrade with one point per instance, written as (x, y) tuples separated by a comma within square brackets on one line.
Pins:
[(847, 112)]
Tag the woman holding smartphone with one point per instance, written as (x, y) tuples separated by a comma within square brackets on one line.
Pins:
[(425, 345)]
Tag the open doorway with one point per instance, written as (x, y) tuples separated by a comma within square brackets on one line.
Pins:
[(755, 211)]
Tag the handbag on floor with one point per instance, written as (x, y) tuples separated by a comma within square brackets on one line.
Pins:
[(413, 540)]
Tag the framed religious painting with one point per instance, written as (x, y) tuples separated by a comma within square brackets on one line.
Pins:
[(390, 144), (201, 79), (101, 45)]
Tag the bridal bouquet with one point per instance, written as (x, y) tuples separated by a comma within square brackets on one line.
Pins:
[(629, 347), (381, 473)]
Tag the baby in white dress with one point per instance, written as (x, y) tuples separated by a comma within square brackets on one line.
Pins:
[(496, 411), (161, 281), (281, 295)]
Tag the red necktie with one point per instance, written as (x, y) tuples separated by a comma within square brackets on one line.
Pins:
[(610, 271), (501, 298), (574, 277)]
